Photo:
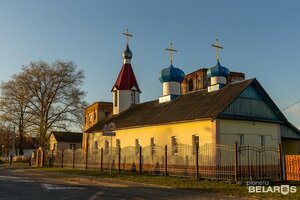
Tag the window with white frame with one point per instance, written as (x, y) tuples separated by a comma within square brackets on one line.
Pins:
[(90, 117), (195, 142), (241, 140), (118, 145), (73, 146), (116, 98), (95, 115), (174, 142), (137, 146), (106, 147), (153, 145), (132, 97), (96, 144)]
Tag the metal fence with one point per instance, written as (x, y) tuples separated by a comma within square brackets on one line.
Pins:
[(211, 161)]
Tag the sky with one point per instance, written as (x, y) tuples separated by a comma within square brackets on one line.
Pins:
[(260, 39)]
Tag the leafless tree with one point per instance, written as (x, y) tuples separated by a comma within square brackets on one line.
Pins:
[(14, 105), (55, 100), (7, 137)]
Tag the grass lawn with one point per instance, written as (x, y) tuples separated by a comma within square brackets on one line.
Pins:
[(15, 163), (219, 187)]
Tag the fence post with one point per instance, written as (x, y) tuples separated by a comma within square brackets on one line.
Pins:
[(62, 158), (86, 157), (166, 160), (73, 158), (235, 163), (119, 159), (280, 162), (284, 175), (197, 161), (140, 160), (52, 157), (43, 158), (101, 160)]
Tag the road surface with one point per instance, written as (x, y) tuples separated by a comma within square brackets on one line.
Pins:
[(31, 184)]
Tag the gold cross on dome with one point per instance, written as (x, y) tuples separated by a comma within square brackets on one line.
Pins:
[(217, 48), (171, 50), (127, 36)]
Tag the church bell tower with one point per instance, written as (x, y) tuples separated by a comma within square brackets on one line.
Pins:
[(126, 91)]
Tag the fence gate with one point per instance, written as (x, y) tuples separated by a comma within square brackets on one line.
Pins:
[(216, 161), (258, 163)]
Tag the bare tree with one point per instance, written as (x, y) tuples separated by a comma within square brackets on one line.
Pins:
[(14, 104), (56, 100), (7, 138)]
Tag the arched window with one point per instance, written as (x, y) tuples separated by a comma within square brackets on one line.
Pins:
[(199, 85), (132, 97), (191, 85), (116, 98)]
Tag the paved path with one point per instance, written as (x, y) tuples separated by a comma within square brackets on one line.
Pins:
[(22, 183)]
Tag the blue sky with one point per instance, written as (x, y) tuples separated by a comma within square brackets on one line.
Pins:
[(260, 38)]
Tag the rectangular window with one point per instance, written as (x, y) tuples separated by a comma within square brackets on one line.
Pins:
[(96, 144), (241, 140), (174, 142), (132, 97), (116, 98), (72, 146), (195, 142), (262, 141), (91, 118), (118, 145), (153, 145), (54, 146), (137, 146), (106, 147), (95, 115)]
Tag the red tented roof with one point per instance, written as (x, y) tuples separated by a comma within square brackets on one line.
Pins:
[(126, 79)]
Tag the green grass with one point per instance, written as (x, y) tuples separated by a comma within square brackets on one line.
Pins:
[(218, 187), (15, 163)]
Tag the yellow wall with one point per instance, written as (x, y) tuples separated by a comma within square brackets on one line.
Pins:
[(161, 133), (231, 129)]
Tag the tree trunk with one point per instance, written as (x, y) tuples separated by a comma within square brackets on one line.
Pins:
[(21, 152)]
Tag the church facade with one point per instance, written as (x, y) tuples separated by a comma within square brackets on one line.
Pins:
[(208, 106)]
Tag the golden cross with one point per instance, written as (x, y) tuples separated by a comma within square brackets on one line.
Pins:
[(217, 48), (171, 50), (127, 35)]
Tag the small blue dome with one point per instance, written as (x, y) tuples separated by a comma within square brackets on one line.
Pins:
[(127, 54), (171, 74), (218, 70)]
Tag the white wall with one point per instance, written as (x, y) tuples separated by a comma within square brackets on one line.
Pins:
[(229, 131)]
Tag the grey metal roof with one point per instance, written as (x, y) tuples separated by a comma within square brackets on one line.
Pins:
[(61, 136), (191, 106)]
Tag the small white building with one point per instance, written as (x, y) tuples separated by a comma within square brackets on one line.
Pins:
[(59, 140)]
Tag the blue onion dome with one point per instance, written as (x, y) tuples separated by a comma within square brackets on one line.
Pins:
[(171, 74), (218, 70), (127, 54)]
